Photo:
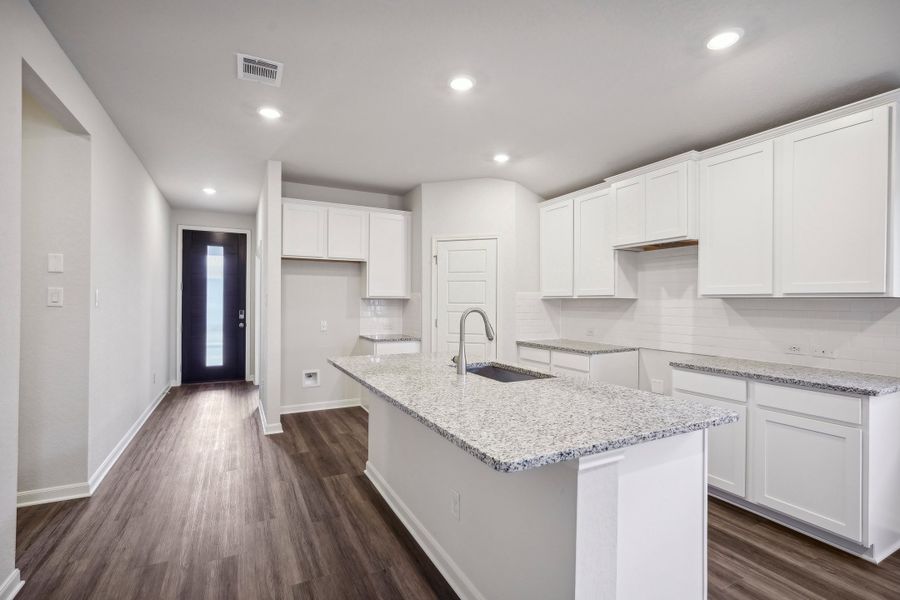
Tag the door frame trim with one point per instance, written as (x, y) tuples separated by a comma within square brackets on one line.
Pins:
[(435, 240), (178, 294)]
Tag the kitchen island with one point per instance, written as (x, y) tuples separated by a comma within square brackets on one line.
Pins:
[(546, 488)]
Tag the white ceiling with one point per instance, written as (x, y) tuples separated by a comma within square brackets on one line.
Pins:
[(573, 90)]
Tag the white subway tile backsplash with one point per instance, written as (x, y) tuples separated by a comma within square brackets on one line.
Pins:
[(864, 333), (380, 316)]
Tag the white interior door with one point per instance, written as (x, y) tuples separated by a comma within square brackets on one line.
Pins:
[(466, 278)]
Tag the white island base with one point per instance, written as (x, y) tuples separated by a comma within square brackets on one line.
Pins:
[(627, 524)]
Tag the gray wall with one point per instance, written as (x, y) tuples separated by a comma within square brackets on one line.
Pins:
[(316, 291), (56, 203)]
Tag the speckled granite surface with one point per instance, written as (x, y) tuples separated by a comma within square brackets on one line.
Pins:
[(822, 379), (391, 337), (575, 346), (526, 424)]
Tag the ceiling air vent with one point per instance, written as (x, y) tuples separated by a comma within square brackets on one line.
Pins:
[(253, 68)]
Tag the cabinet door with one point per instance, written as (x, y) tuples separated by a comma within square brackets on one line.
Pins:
[(835, 195), (666, 203), (303, 230), (561, 371), (557, 249), (736, 222), (595, 261), (727, 460), (387, 269), (810, 470), (348, 234), (629, 196)]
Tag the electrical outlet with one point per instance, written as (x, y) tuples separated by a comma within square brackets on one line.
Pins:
[(795, 349), (657, 386), (822, 352), (323, 326), (589, 332), (454, 504)]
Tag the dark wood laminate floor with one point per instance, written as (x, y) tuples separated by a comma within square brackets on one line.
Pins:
[(202, 505)]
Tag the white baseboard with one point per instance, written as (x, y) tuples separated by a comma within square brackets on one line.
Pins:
[(267, 428), (101, 472), (461, 584), (85, 489), (11, 585), (314, 406), (57, 493)]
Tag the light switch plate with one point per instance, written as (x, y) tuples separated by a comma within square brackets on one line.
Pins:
[(54, 263), (54, 296)]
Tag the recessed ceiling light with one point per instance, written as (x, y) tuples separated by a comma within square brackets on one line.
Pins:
[(501, 158), (269, 113), (209, 191), (462, 83), (725, 39)]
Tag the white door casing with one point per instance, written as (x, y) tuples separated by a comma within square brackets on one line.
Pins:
[(466, 278)]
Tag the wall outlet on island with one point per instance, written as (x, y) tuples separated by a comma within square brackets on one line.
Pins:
[(822, 352), (454, 504), (657, 386), (795, 349)]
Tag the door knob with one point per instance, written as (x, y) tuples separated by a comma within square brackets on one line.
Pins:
[(241, 325)]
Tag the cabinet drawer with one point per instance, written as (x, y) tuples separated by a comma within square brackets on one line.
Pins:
[(537, 355), (577, 362), (540, 367), (810, 402), (570, 373), (710, 385)]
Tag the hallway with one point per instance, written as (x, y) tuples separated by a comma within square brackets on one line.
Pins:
[(202, 505)]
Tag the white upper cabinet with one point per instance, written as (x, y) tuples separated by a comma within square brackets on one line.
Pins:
[(557, 249), (736, 222), (835, 196), (658, 206), (348, 234), (666, 203), (304, 230), (577, 255), (629, 210), (388, 267), (599, 269)]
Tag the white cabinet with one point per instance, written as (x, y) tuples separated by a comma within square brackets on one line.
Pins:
[(348, 234), (629, 203), (835, 196), (388, 347), (618, 368), (727, 460), (387, 272), (666, 210), (658, 206), (304, 230), (577, 257), (736, 222), (556, 249), (821, 462), (809, 469)]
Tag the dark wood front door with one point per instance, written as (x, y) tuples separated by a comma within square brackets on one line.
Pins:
[(213, 309)]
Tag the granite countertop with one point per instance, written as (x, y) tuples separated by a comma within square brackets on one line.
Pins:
[(527, 424), (390, 337), (575, 346), (828, 380)]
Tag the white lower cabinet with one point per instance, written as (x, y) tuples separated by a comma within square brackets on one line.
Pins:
[(821, 462), (809, 469), (727, 461), (618, 368)]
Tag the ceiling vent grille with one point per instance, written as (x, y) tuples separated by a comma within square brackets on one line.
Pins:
[(253, 68)]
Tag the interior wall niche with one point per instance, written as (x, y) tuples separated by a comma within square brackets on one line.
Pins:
[(54, 363)]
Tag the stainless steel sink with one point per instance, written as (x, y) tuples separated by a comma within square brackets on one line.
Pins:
[(504, 373)]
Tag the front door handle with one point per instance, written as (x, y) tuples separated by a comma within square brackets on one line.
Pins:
[(241, 315), (241, 325)]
